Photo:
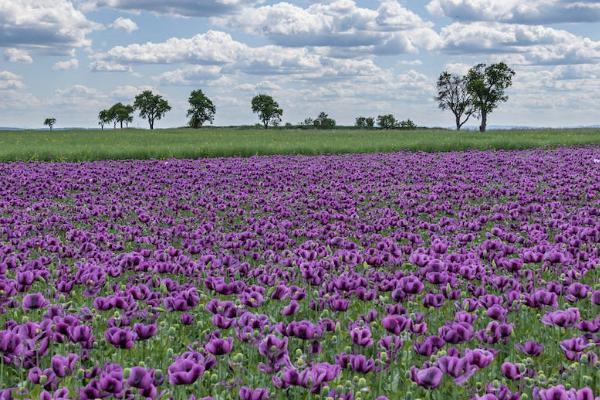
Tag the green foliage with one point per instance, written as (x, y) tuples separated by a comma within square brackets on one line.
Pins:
[(201, 110), (487, 84), (120, 113), (452, 94), (87, 145), (324, 122), (365, 122), (387, 121), (267, 108), (104, 118), (150, 106), (49, 122), (408, 124)]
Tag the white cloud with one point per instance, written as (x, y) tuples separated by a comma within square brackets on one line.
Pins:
[(525, 44), (215, 48), (212, 47), (10, 81), (107, 66), (51, 25), (73, 63), (125, 24), (127, 93), (186, 8), (191, 75), (518, 11), (389, 29), (17, 56)]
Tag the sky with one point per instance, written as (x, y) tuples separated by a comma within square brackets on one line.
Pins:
[(71, 58)]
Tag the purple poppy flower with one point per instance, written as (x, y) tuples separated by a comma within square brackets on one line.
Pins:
[(429, 378), (219, 347), (253, 394), (34, 301), (530, 348), (121, 338), (185, 372), (511, 371)]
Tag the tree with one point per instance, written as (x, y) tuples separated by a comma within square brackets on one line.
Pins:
[(487, 86), (150, 106), (364, 122), (49, 122), (267, 109), (201, 109), (120, 113), (387, 121), (453, 95), (324, 122), (104, 118), (408, 124)]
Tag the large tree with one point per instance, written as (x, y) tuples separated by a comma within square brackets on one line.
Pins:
[(150, 106), (364, 122), (201, 109), (267, 109), (453, 95), (324, 122), (487, 84), (104, 118), (387, 121), (49, 122), (120, 113)]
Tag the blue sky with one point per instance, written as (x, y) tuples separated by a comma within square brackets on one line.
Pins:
[(71, 58)]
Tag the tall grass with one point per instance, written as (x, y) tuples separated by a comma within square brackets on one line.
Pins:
[(87, 145)]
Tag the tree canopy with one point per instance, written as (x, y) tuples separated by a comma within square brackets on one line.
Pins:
[(267, 108), (452, 94), (487, 84), (201, 110), (150, 106), (49, 122)]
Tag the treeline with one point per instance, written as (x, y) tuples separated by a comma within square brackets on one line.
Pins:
[(474, 95)]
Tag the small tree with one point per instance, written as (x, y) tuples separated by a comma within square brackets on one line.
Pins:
[(201, 109), (387, 121), (49, 122), (487, 87), (453, 95), (150, 106), (120, 113), (408, 124), (324, 122), (104, 118), (364, 122), (267, 109)]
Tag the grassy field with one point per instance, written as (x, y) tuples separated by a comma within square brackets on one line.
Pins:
[(82, 145)]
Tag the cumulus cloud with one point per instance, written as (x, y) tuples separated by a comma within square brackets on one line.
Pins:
[(389, 29), (518, 11), (17, 56), (51, 25), (215, 48), (10, 81), (107, 66), (191, 74), (73, 63), (186, 8), (524, 44), (125, 24), (212, 47)]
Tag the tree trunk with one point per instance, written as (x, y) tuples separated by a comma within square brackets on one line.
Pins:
[(151, 122), (121, 124), (483, 125), (266, 124), (458, 124)]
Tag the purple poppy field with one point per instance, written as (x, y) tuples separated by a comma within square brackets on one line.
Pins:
[(459, 275)]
